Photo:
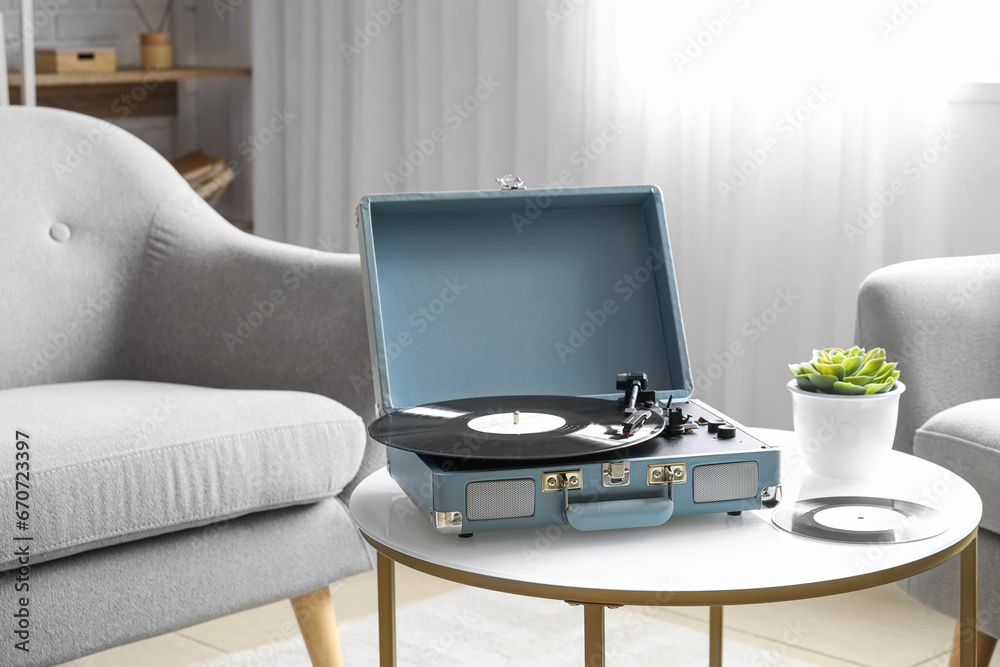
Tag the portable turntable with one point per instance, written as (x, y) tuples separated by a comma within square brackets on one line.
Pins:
[(530, 366)]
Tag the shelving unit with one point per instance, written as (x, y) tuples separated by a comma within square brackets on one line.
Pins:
[(205, 106), (127, 92), (130, 76)]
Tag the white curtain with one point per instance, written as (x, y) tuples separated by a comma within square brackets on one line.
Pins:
[(799, 145)]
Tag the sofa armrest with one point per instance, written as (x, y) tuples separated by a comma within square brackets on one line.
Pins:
[(219, 308), (939, 318)]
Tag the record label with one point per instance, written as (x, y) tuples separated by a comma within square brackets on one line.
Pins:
[(516, 423)]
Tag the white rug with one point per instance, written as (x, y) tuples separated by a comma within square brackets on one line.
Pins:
[(487, 629)]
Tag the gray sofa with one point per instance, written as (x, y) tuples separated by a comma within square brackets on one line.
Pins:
[(193, 400), (940, 318)]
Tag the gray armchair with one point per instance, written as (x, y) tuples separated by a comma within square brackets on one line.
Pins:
[(188, 400), (940, 318)]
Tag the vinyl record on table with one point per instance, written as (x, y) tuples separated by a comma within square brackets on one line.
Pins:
[(548, 427), (860, 520)]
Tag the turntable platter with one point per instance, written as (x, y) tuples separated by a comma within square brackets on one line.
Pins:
[(513, 427)]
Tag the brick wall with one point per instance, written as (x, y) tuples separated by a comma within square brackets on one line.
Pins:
[(72, 23)]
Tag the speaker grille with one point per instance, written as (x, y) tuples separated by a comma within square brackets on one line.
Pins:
[(724, 481), (500, 499)]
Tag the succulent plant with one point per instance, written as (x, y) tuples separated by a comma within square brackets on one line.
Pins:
[(853, 371)]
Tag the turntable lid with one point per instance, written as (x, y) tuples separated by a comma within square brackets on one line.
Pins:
[(520, 292)]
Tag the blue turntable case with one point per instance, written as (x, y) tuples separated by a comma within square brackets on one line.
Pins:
[(549, 292)]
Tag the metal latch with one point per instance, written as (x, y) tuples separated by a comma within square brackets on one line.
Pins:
[(666, 472), (615, 474), (552, 480), (510, 182)]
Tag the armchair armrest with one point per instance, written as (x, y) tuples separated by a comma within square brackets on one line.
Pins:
[(940, 319), (215, 307)]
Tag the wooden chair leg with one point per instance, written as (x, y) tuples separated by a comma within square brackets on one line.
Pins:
[(985, 646), (314, 612)]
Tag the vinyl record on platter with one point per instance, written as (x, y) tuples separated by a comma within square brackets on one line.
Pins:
[(544, 427), (860, 520)]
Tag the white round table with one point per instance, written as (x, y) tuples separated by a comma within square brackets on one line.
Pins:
[(706, 560)]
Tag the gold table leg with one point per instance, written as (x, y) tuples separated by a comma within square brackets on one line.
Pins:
[(593, 635), (386, 612), (967, 620), (715, 636)]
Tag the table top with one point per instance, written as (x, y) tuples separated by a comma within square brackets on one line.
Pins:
[(690, 560)]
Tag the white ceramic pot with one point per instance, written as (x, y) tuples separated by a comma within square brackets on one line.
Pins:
[(844, 436)]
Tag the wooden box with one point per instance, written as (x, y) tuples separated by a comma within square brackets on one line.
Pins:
[(62, 61)]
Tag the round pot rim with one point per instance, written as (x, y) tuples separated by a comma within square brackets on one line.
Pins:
[(793, 387)]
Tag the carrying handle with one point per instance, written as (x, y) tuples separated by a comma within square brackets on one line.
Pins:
[(627, 513), (632, 513)]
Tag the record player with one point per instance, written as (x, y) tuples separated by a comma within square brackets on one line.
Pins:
[(530, 366)]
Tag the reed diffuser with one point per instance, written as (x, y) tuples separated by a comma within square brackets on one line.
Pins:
[(156, 48)]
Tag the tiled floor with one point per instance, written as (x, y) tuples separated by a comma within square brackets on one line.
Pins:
[(875, 628)]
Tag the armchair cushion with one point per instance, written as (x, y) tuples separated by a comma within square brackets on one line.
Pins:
[(116, 461), (966, 440)]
